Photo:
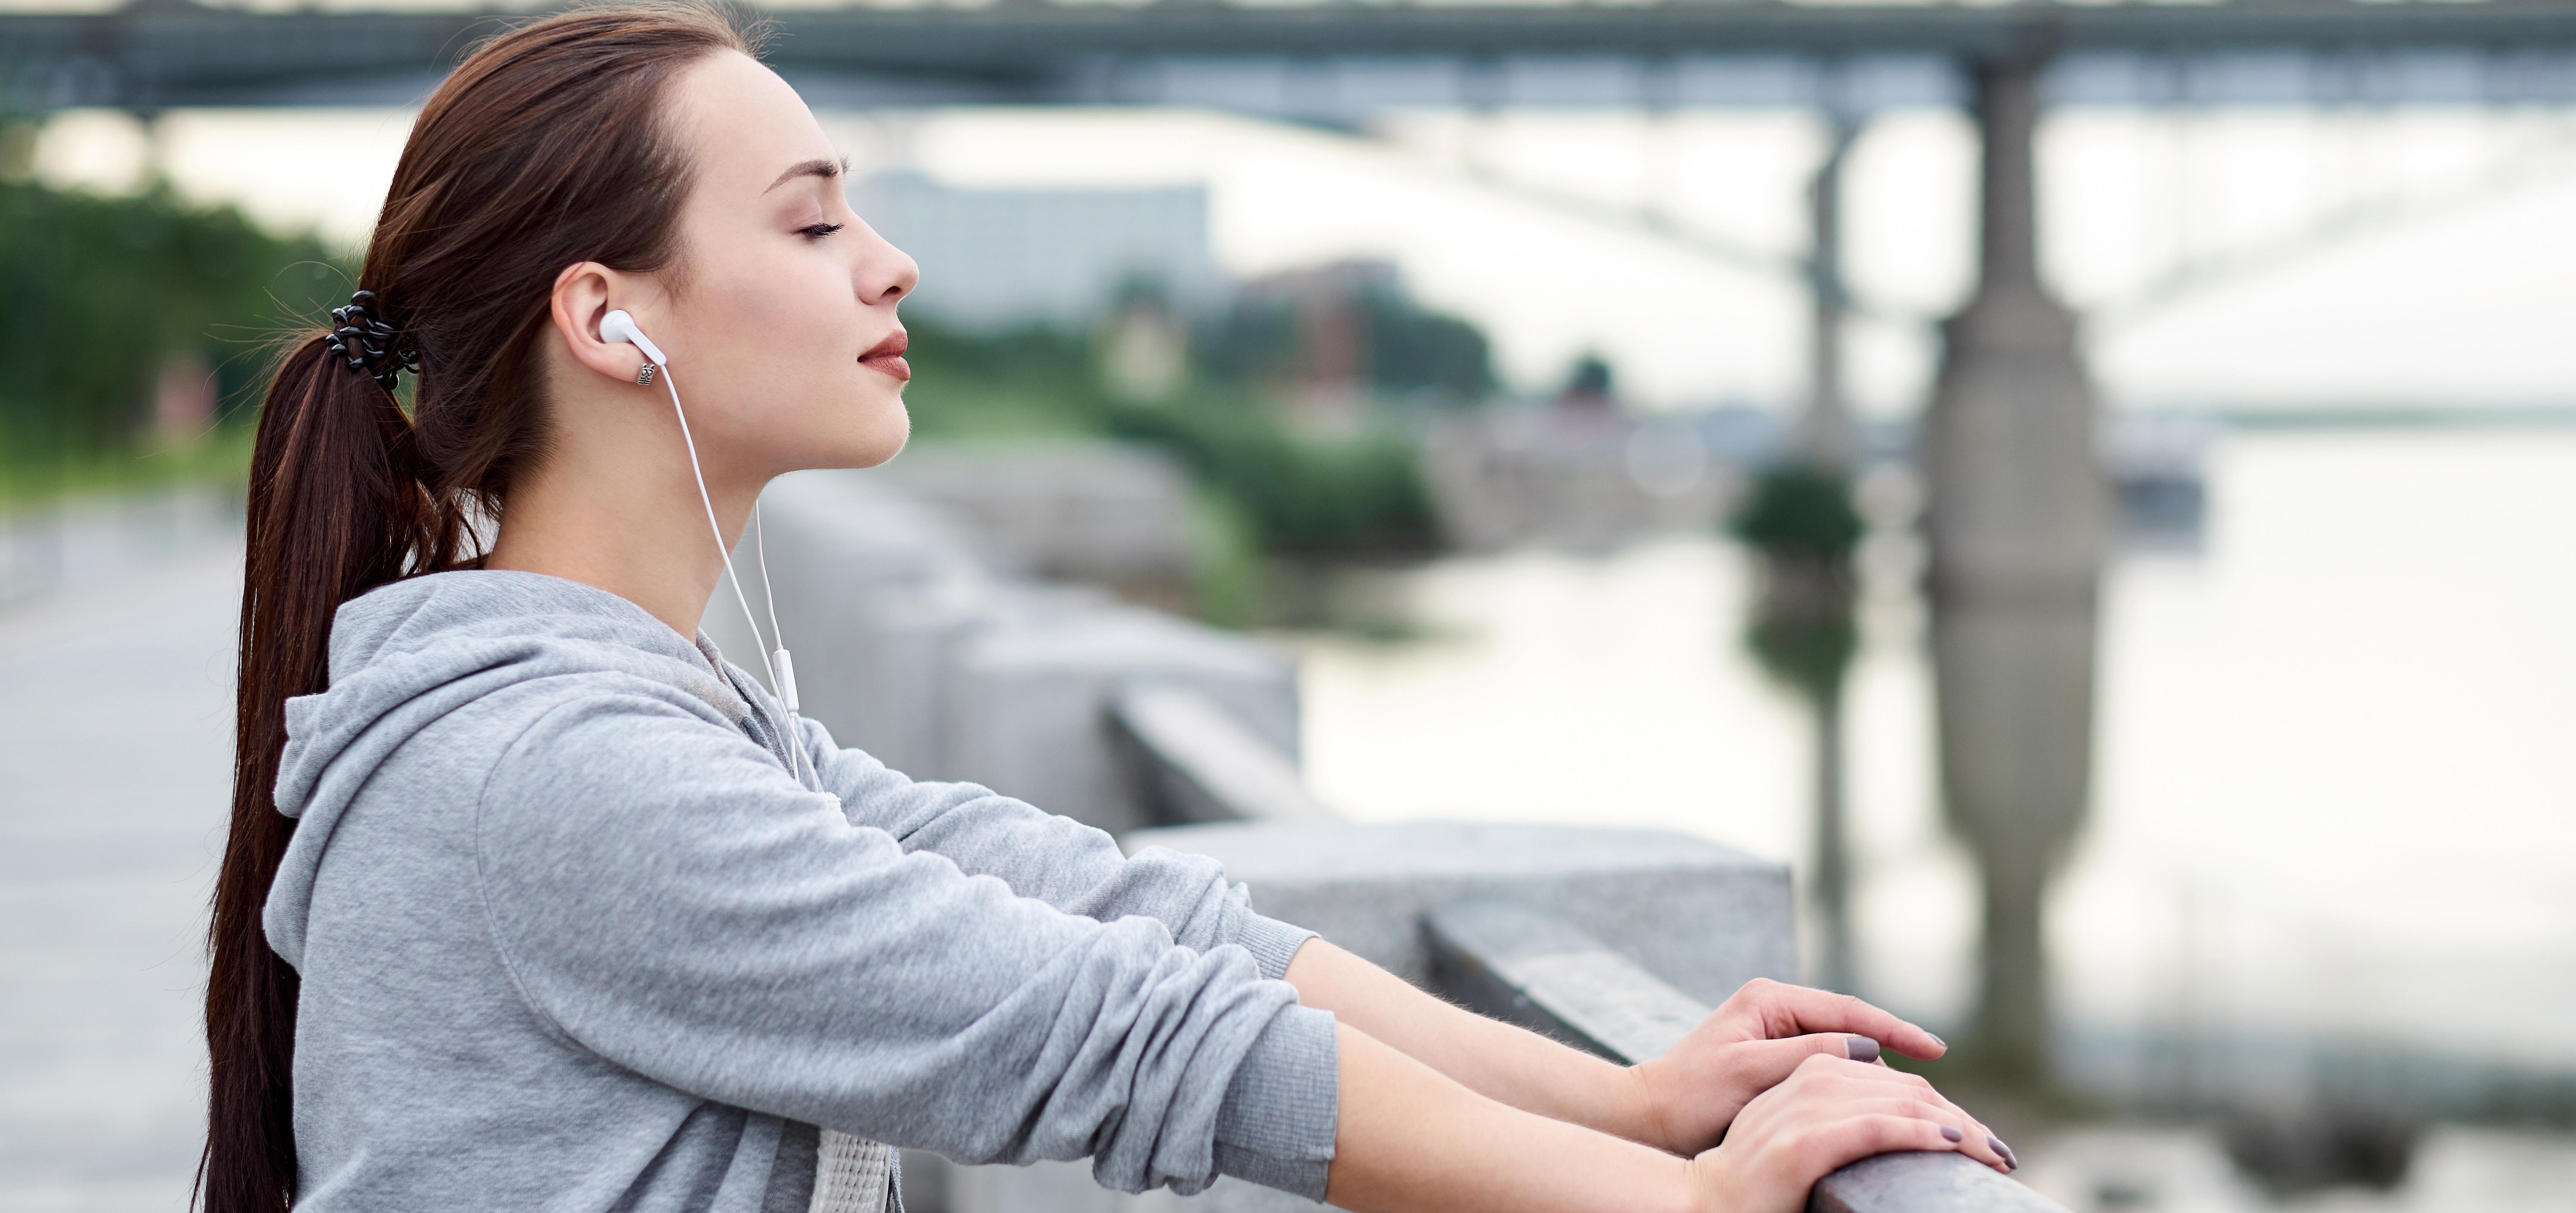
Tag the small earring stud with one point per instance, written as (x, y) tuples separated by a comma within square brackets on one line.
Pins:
[(644, 378)]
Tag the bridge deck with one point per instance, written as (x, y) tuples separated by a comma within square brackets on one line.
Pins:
[(174, 53)]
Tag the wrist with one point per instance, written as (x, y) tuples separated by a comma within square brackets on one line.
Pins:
[(1638, 1108), (1694, 1181)]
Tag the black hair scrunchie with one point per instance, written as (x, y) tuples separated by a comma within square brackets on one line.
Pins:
[(370, 345)]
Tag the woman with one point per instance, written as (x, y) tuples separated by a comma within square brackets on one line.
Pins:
[(532, 901)]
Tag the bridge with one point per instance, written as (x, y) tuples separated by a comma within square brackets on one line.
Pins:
[(1337, 62)]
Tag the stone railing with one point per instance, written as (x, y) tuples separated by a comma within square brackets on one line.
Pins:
[(1168, 733)]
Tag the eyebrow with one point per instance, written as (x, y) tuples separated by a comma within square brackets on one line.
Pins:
[(818, 167)]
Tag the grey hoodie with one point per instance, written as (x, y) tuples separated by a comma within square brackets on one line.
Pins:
[(572, 937)]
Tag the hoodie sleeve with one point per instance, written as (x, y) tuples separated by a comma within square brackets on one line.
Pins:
[(1060, 861), (673, 902)]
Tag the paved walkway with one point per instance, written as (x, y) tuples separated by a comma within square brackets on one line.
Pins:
[(115, 747)]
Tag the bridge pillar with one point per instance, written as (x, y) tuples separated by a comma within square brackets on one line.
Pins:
[(2017, 520), (1815, 604), (1825, 432)]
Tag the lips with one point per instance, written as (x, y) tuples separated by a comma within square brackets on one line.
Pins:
[(887, 356)]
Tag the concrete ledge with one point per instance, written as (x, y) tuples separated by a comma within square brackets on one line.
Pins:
[(1515, 964), (1197, 763), (1028, 703), (1066, 1187), (1924, 1183), (1703, 917)]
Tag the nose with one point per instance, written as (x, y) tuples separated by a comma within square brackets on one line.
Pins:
[(887, 273)]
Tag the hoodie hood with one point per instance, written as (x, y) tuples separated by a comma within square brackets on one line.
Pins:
[(406, 655)]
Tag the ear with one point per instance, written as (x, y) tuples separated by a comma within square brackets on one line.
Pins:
[(582, 295)]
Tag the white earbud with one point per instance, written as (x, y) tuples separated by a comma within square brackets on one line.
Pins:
[(617, 326)]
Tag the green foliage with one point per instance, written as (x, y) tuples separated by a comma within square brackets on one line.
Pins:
[(1030, 381), (1300, 495), (1801, 519), (28, 477), (1255, 341), (1801, 512), (1227, 561), (1290, 494), (1029, 354), (1411, 350), (1809, 653), (97, 293), (1407, 349)]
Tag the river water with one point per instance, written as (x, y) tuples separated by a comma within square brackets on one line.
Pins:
[(2335, 795)]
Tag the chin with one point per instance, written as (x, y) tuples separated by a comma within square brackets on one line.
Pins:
[(882, 440)]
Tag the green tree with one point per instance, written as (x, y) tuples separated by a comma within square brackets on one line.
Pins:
[(98, 293)]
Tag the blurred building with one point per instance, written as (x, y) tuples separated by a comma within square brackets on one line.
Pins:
[(1328, 372), (1334, 341), (998, 258)]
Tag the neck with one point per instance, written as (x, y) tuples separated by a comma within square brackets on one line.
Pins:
[(613, 505)]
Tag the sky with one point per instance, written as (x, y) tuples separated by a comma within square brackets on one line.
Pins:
[(2450, 290)]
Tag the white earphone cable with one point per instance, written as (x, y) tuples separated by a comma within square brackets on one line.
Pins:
[(794, 745), (782, 678), (760, 556)]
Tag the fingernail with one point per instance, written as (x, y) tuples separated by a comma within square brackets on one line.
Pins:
[(1938, 1041), (1951, 1132), (1860, 1048), (2010, 1163)]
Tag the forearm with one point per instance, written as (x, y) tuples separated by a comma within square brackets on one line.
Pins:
[(1057, 860), (1491, 1058), (1410, 1138)]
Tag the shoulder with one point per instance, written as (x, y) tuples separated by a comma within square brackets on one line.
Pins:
[(631, 778), (613, 727)]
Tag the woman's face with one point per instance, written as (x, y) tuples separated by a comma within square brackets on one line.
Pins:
[(781, 330)]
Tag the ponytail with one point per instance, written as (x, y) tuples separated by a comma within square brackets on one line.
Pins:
[(336, 508)]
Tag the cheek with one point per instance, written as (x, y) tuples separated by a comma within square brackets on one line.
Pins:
[(781, 322), (774, 344), (824, 323), (776, 331)]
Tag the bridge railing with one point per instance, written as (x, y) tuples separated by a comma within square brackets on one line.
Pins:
[(1168, 733)]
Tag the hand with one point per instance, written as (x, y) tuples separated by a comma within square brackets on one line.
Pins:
[(1828, 1112), (1751, 1044)]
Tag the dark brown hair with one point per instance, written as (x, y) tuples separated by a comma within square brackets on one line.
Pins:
[(545, 148)]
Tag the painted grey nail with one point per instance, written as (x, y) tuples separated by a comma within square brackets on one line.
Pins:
[(1938, 1041), (1951, 1132), (1860, 1048), (2010, 1163)]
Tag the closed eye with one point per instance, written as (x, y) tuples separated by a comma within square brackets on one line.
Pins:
[(820, 230)]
